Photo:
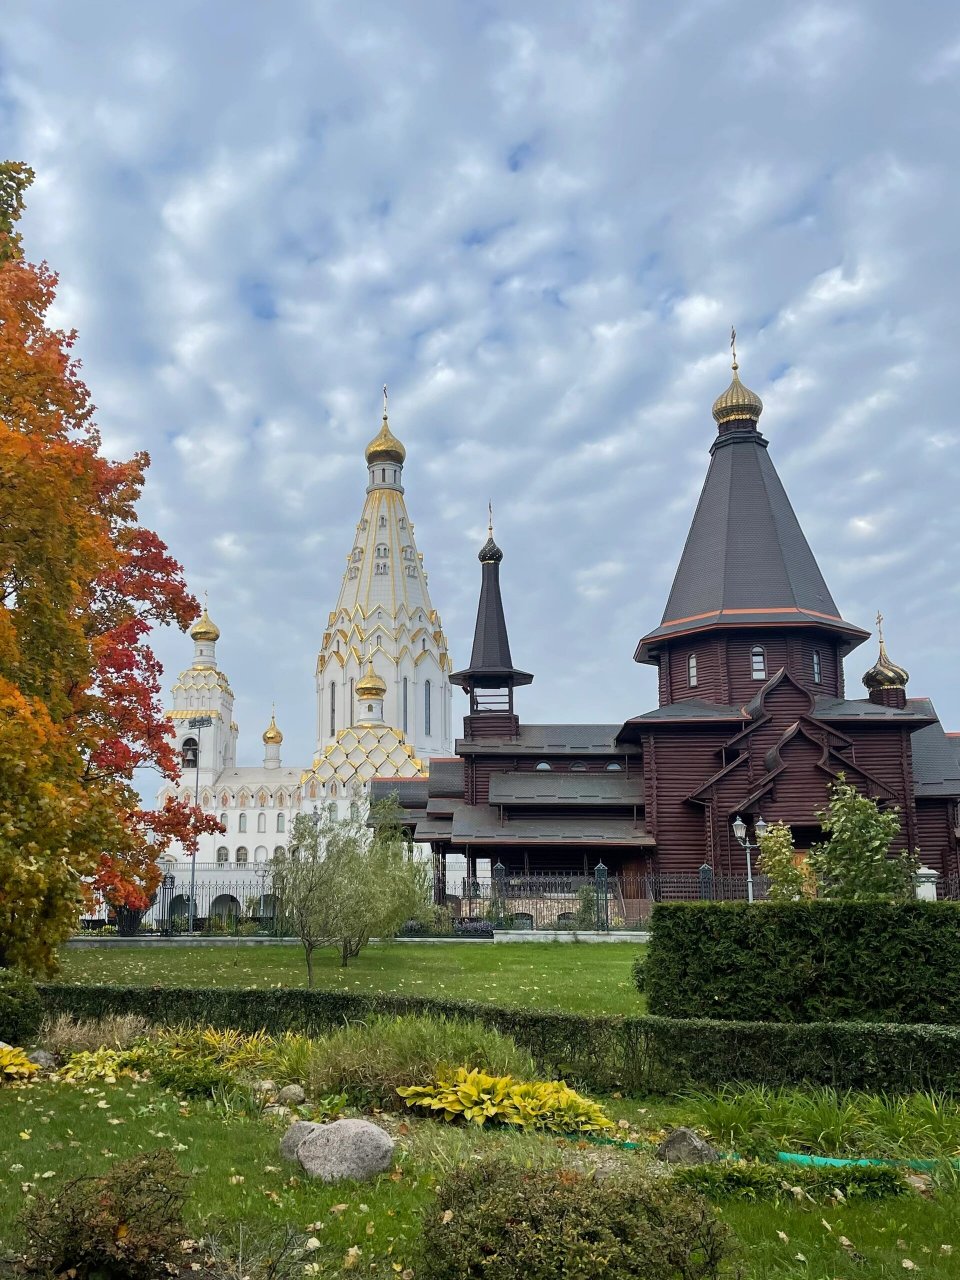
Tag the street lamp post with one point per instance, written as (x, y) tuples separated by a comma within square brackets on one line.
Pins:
[(740, 831), (196, 722)]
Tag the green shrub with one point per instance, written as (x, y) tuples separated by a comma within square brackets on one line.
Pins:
[(537, 1104), (20, 1009), (122, 1225), (639, 971), (370, 1061), (750, 1180), (811, 961), (496, 1220)]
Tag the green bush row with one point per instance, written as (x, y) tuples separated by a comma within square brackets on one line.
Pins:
[(811, 961), (750, 1180), (654, 1054)]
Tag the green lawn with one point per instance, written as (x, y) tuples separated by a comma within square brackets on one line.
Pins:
[(574, 977), (51, 1132)]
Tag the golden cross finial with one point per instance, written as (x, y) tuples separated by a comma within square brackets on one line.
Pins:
[(880, 625), (490, 521), (384, 402), (733, 347)]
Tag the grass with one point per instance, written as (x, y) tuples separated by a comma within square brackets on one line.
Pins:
[(239, 1178), (561, 976)]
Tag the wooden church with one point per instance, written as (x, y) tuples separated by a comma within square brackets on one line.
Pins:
[(753, 718)]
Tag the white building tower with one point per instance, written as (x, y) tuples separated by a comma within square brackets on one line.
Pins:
[(383, 687), (203, 693)]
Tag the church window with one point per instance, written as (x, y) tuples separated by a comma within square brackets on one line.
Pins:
[(190, 752), (260, 853), (242, 822), (411, 571), (351, 699), (544, 767), (383, 522), (241, 857), (281, 822), (423, 645), (261, 822), (223, 819), (613, 767), (402, 522), (279, 851), (426, 709), (816, 666), (405, 725), (383, 551), (394, 475), (223, 856), (333, 710), (692, 671), (758, 663), (383, 473)]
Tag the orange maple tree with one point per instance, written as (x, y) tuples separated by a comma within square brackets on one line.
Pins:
[(81, 585)]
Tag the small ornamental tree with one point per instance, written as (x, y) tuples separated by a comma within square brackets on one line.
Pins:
[(778, 862), (854, 863), (343, 881)]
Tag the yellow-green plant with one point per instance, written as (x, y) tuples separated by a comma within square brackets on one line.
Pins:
[(540, 1104), (16, 1066), (102, 1064), (238, 1051), (778, 860)]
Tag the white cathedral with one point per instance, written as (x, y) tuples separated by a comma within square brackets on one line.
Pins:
[(383, 694)]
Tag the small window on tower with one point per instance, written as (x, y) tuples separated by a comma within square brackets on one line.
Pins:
[(692, 671), (190, 753), (261, 822), (758, 663), (383, 473), (242, 824), (383, 522), (281, 822), (816, 666)]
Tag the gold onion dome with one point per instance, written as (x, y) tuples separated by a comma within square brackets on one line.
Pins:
[(738, 403), (370, 684), (272, 735), (205, 628), (385, 447), (884, 674)]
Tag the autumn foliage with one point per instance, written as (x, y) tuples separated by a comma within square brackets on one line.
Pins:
[(81, 585)]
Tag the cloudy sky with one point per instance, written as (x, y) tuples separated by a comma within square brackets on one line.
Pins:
[(536, 221)]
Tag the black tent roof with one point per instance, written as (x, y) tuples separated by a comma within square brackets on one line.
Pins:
[(746, 561), (490, 663)]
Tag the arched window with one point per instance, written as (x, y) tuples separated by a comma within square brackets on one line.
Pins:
[(190, 753), (281, 822), (351, 699), (242, 822), (383, 473), (223, 819), (394, 475), (241, 857), (261, 822), (544, 767), (260, 853), (692, 671), (758, 663), (613, 767), (279, 851), (426, 709), (405, 725), (223, 856), (816, 666), (333, 710)]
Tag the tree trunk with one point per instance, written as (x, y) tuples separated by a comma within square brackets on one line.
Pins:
[(344, 952), (309, 951)]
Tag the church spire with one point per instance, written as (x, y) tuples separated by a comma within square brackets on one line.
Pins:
[(885, 681), (491, 676)]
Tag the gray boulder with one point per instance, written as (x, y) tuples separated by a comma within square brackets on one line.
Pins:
[(683, 1146), (354, 1149), (263, 1086), (291, 1095), (40, 1058), (298, 1132)]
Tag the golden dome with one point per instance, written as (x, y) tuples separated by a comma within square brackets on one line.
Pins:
[(272, 735), (205, 628), (370, 685), (738, 403), (385, 447), (884, 674)]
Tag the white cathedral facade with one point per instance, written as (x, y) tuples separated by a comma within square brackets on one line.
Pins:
[(383, 695)]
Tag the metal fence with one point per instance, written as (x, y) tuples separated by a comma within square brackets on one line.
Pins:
[(230, 908)]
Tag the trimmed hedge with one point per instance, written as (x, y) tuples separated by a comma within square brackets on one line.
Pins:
[(814, 961), (652, 1054)]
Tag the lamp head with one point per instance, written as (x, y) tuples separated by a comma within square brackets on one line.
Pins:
[(739, 828), (760, 827)]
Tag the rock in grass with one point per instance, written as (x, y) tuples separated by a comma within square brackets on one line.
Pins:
[(291, 1095), (274, 1109), (263, 1086), (354, 1149), (683, 1146), (40, 1058), (298, 1132)]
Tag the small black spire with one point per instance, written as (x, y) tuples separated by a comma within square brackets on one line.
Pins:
[(491, 666)]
